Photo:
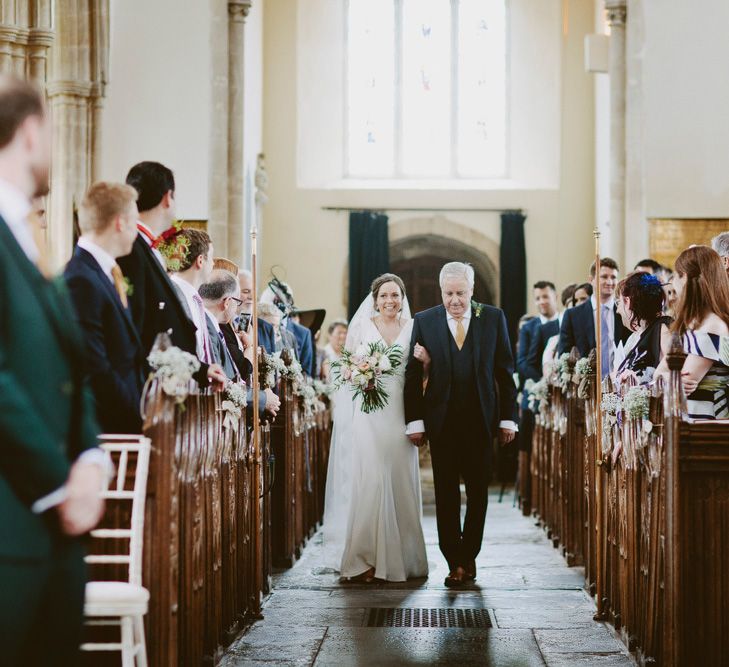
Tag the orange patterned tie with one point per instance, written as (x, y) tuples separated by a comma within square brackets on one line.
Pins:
[(121, 287), (460, 334)]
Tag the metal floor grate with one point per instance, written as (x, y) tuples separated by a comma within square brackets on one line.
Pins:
[(399, 617)]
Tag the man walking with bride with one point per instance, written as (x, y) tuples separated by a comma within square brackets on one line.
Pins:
[(462, 352)]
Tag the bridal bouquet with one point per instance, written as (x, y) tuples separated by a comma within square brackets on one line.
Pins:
[(364, 371)]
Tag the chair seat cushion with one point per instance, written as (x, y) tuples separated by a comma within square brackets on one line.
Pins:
[(115, 598)]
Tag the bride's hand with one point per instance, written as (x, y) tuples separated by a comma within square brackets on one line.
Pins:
[(422, 355)]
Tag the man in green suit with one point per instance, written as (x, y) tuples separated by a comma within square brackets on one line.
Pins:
[(50, 468)]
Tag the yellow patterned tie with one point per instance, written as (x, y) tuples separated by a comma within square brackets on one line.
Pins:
[(121, 288), (460, 334)]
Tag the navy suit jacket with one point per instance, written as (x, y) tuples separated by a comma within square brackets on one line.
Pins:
[(494, 370), (266, 336), (526, 371), (304, 345), (578, 329), (114, 358), (539, 341)]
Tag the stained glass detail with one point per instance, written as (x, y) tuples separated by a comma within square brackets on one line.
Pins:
[(418, 104), (371, 88), (481, 88)]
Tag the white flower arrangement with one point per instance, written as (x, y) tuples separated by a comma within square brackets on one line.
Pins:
[(537, 392), (563, 370), (611, 404), (636, 403), (324, 388), (174, 369), (235, 400), (582, 367)]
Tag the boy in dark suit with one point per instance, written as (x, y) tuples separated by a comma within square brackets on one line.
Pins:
[(108, 222)]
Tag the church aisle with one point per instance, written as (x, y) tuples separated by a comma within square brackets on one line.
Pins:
[(539, 611)]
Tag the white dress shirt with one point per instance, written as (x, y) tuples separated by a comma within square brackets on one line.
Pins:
[(148, 241), (418, 426), (103, 258), (14, 209), (189, 293)]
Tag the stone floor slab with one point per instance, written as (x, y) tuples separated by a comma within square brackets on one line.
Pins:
[(437, 646)]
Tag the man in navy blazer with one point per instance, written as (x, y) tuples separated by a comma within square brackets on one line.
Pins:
[(266, 334), (114, 357), (578, 324), (470, 398)]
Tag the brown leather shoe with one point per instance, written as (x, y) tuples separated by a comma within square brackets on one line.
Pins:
[(456, 578), (470, 571)]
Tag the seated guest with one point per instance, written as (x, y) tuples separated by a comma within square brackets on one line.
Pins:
[(578, 324), (114, 358), (580, 294), (220, 295), (720, 244), (154, 301), (265, 330), (702, 321), (194, 270), (640, 304), (648, 266)]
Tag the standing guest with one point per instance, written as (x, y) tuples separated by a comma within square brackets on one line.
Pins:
[(108, 222), (648, 266), (194, 270), (545, 299), (580, 294), (544, 344), (220, 295), (51, 471), (337, 331), (702, 321), (154, 301), (220, 298), (283, 338), (578, 324), (266, 334), (720, 244), (640, 304)]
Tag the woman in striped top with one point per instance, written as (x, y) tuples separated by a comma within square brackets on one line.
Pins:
[(702, 321)]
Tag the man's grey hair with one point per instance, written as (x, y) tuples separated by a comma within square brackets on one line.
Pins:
[(457, 270), (245, 272), (221, 285), (720, 243)]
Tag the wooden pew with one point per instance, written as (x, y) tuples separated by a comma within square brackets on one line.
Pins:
[(645, 508)]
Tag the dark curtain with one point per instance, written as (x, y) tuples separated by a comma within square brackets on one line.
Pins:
[(513, 271), (369, 253)]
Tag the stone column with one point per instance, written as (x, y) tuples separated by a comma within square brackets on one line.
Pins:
[(237, 14), (616, 17)]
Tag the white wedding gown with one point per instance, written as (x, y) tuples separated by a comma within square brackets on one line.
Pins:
[(384, 528)]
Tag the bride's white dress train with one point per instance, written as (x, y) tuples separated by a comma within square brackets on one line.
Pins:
[(384, 528)]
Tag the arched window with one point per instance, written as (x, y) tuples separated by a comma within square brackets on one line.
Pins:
[(426, 89)]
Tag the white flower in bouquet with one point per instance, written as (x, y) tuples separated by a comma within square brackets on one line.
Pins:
[(385, 364), (235, 400)]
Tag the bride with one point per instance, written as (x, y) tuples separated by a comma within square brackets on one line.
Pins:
[(374, 470)]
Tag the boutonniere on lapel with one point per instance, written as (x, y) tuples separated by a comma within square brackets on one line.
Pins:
[(477, 308), (128, 287), (173, 246)]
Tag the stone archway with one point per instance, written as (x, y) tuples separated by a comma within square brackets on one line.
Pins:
[(419, 248)]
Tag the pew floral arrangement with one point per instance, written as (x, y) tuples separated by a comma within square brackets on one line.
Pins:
[(324, 389), (636, 403), (174, 369), (364, 371), (233, 403), (564, 371), (581, 377), (537, 393), (267, 371)]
